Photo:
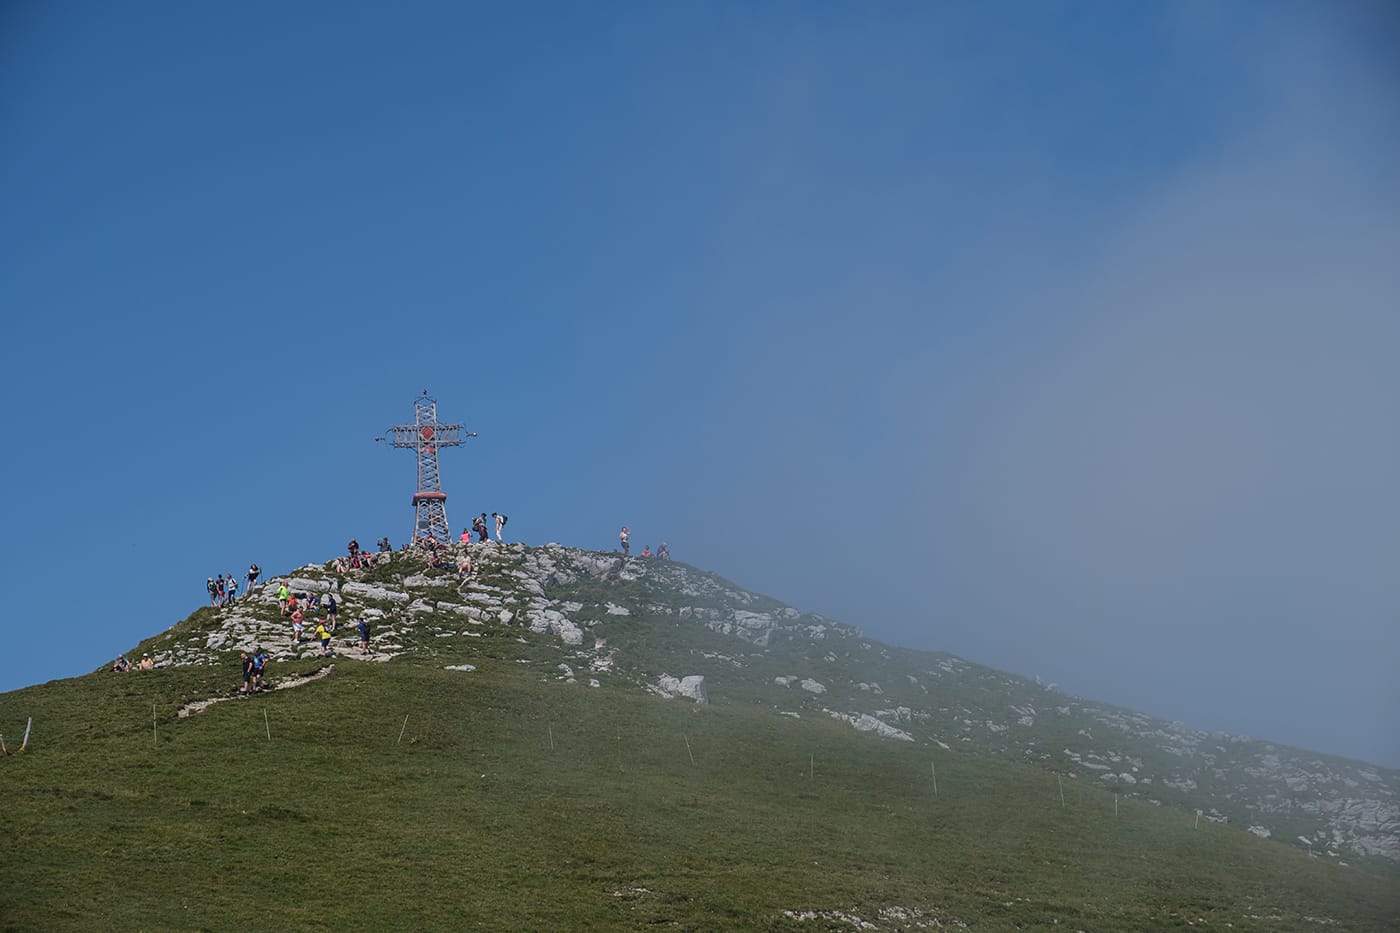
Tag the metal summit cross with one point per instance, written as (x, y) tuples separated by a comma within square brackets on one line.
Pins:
[(425, 436)]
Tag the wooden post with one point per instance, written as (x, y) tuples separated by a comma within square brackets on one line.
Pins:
[(1115, 804), (687, 748), (550, 727), (1061, 782), (811, 767), (1198, 820), (267, 724), (934, 771), (153, 725), (29, 724), (401, 731)]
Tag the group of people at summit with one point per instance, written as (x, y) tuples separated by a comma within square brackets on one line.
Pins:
[(223, 591)]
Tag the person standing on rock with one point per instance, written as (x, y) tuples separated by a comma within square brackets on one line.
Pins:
[(231, 584), (500, 523), (330, 610), (482, 531), (466, 536), (213, 592), (363, 627), (622, 537), (297, 618), (283, 594), (247, 674), (254, 571), (325, 637)]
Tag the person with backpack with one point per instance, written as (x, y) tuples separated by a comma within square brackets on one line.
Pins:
[(500, 523), (213, 592), (363, 627), (259, 666), (254, 571), (247, 674), (231, 586)]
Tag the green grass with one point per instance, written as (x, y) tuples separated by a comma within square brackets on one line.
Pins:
[(514, 802)]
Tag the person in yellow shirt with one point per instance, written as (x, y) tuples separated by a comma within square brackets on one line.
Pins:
[(283, 594), (325, 637)]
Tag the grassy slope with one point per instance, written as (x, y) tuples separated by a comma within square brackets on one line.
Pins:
[(476, 820)]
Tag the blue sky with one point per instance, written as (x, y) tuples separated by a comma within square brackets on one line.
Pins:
[(1061, 336)]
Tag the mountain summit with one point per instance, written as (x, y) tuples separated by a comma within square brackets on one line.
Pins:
[(664, 728)]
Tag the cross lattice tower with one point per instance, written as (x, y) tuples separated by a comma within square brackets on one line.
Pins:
[(425, 436)]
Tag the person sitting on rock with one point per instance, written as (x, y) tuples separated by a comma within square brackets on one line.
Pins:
[(646, 550), (464, 564), (664, 551), (146, 663), (384, 545), (122, 665)]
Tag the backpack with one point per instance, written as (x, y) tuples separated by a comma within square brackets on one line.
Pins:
[(504, 520)]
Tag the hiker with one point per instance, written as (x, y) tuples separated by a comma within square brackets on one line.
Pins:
[(283, 594), (664, 552), (219, 590), (297, 618), (500, 523), (247, 674), (466, 536), (292, 602), (646, 550), (353, 547), (213, 592), (479, 523), (146, 663), (122, 665), (464, 564), (384, 545), (231, 585), (325, 637), (254, 571), (363, 627), (259, 666), (330, 610), (622, 539), (435, 562)]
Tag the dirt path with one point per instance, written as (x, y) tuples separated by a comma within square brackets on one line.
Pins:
[(199, 706)]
